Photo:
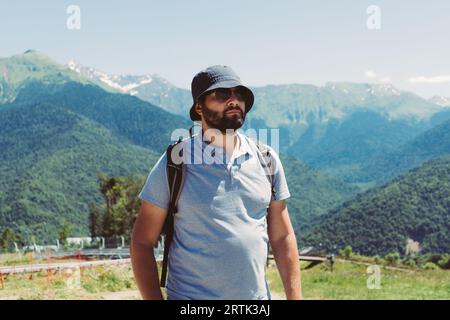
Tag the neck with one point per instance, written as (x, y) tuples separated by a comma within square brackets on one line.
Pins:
[(226, 140)]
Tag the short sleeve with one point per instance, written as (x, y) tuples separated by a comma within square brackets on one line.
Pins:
[(156, 187), (279, 180)]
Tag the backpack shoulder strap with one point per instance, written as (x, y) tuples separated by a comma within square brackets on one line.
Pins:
[(267, 162), (175, 179)]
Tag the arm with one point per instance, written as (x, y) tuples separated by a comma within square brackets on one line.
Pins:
[(284, 246), (146, 231)]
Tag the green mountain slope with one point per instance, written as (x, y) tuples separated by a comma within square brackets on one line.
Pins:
[(313, 193), (430, 144), (56, 137), (131, 118), (50, 165), (415, 205), (18, 70)]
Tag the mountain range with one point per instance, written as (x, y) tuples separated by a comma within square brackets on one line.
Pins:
[(413, 207), (339, 127), (58, 136), (343, 145), (152, 88)]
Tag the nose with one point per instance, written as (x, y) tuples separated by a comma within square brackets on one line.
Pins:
[(234, 101)]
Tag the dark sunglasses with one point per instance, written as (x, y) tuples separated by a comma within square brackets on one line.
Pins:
[(223, 94)]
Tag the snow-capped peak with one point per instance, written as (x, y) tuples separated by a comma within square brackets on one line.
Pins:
[(440, 101), (74, 66), (383, 89), (383, 98), (122, 83)]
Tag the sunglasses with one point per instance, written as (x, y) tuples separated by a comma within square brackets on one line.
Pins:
[(223, 94)]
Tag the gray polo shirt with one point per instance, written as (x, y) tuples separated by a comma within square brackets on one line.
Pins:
[(219, 248)]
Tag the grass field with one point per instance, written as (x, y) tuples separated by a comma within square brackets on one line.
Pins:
[(347, 281)]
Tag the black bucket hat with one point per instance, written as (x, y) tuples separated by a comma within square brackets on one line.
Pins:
[(216, 77)]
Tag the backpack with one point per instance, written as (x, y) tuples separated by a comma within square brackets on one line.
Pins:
[(175, 179)]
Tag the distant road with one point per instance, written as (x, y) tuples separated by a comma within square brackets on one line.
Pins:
[(29, 268)]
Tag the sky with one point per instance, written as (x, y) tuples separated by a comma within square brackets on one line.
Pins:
[(405, 43)]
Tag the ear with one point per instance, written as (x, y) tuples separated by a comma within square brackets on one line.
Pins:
[(198, 109)]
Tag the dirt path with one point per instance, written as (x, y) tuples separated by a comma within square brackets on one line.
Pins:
[(134, 295), (278, 296), (9, 298), (121, 295)]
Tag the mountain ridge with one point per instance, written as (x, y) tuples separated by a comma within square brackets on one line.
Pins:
[(413, 206)]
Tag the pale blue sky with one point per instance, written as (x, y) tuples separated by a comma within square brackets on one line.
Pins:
[(266, 42)]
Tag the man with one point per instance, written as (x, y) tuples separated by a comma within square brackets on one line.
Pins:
[(227, 210)]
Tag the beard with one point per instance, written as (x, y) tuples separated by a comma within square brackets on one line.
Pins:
[(223, 121)]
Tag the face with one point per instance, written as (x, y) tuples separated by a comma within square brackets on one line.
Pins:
[(224, 109)]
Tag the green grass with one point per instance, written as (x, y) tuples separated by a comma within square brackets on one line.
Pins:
[(10, 259), (95, 283), (349, 281), (108, 279)]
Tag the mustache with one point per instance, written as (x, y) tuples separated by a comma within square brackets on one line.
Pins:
[(234, 109)]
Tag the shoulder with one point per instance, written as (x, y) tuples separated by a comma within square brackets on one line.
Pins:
[(259, 145), (178, 150), (183, 142)]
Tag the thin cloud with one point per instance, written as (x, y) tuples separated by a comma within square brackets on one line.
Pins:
[(370, 74), (437, 79)]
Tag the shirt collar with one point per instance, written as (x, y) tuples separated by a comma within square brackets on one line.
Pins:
[(244, 148)]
